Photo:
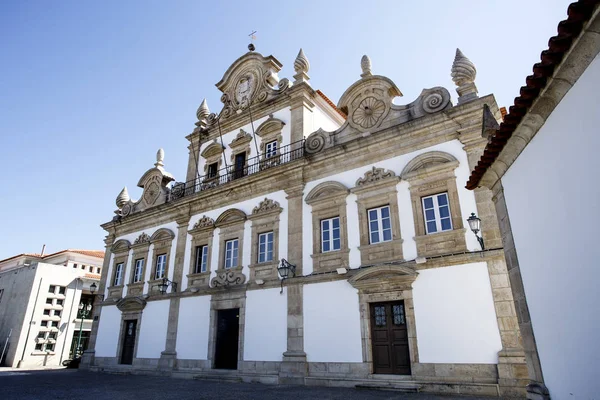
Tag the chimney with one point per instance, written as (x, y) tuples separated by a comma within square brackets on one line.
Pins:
[(43, 248)]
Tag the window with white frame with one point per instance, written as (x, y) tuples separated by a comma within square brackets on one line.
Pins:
[(271, 149), (265, 247), (138, 270), (161, 263), (201, 259), (330, 234), (118, 275), (380, 225), (231, 253), (436, 211)]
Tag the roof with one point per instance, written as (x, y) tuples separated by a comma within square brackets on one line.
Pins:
[(331, 104), (568, 30), (90, 253)]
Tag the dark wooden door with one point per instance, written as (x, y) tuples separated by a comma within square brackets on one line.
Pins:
[(226, 349), (389, 338), (128, 341), (240, 165)]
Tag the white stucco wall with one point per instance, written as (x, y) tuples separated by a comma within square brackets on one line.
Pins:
[(552, 194), (321, 120), (407, 228), (108, 332), (153, 331), (332, 323), (455, 315), (192, 328), (265, 335)]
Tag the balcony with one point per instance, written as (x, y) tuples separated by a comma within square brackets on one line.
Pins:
[(230, 173)]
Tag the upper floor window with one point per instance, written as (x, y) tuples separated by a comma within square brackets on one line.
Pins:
[(91, 269), (98, 270), (52, 289), (62, 289), (59, 302), (330, 234), (265, 247), (212, 170), (231, 253), (201, 259), (436, 211), (118, 275), (161, 263), (138, 270), (74, 265), (271, 149), (380, 227)]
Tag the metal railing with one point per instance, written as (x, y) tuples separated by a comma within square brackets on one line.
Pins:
[(230, 173)]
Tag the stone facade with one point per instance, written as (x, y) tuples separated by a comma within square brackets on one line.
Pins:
[(341, 198)]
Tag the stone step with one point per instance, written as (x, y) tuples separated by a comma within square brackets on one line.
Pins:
[(218, 376), (407, 387)]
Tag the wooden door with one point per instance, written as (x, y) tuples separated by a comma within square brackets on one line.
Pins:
[(226, 347), (128, 341), (389, 338), (240, 165)]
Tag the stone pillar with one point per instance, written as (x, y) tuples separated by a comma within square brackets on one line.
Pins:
[(87, 359), (301, 112), (193, 157), (536, 388), (168, 357), (294, 366)]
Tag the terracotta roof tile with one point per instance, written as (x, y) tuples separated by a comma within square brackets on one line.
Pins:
[(331, 104), (578, 14), (90, 253)]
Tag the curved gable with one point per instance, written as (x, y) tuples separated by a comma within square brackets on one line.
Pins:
[(427, 161), (326, 190), (230, 216), (162, 234)]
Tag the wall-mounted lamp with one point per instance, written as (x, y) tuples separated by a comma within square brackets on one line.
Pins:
[(286, 270), (93, 288), (164, 285), (475, 225)]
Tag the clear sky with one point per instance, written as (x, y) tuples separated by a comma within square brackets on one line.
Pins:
[(90, 90)]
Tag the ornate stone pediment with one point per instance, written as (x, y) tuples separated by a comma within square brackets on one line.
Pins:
[(430, 162), (266, 206), (384, 278), (242, 139), (325, 191), (375, 175), (120, 246), (231, 216), (227, 278), (212, 150), (162, 234), (204, 223), (142, 239), (129, 304), (270, 126)]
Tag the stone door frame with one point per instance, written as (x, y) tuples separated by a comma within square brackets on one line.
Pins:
[(229, 298)]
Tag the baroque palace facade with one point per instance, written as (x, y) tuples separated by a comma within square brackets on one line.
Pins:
[(362, 208)]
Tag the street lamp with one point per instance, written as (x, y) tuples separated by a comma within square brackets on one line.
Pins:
[(84, 312), (475, 225), (285, 269), (164, 285)]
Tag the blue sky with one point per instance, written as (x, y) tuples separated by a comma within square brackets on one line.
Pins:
[(90, 90)]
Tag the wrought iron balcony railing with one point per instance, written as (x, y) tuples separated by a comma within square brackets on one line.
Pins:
[(230, 173)]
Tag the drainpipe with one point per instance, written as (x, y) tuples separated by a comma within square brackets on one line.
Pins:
[(20, 363), (62, 352)]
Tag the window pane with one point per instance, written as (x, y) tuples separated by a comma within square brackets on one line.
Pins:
[(379, 316), (386, 223), (431, 228), (336, 223), (336, 233), (336, 244), (270, 247), (442, 199), (372, 215), (444, 212), (385, 212), (428, 202), (326, 246), (325, 235), (373, 227), (446, 224), (387, 235), (398, 314), (325, 225), (429, 215), (374, 237)]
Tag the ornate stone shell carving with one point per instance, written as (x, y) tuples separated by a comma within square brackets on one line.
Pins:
[(266, 205), (204, 222), (228, 278), (368, 112), (143, 238), (375, 175)]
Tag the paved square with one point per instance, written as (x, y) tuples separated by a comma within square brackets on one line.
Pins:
[(73, 384)]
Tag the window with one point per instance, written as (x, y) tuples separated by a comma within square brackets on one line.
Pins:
[(41, 335), (118, 275), (57, 313), (330, 234), (46, 312), (48, 301), (62, 289), (380, 227), (139, 269), (83, 267), (271, 149), (52, 289), (265, 247), (231, 253), (38, 346), (54, 324), (74, 265), (52, 335), (161, 263), (212, 170), (436, 211), (98, 270), (44, 323), (91, 269), (49, 346), (59, 302), (201, 259)]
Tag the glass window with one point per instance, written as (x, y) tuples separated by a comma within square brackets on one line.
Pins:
[(57, 313), (118, 275), (271, 149), (330, 234), (98, 270), (46, 312), (49, 346), (138, 270), (201, 259), (74, 265), (212, 170), (38, 346), (231, 253), (380, 225), (52, 289), (161, 264), (398, 310), (265, 247), (436, 212), (380, 316), (48, 301), (52, 335), (41, 335), (62, 289), (54, 324), (44, 323), (91, 269), (59, 302)]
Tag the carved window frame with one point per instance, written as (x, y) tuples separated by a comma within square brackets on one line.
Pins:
[(430, 174), (270, 131), (239, 145), (231, 226), (202, 235), (120, 250), (212, 154), (162, 240), (140, 251), (328, 200), (377, 189), (264, 218)]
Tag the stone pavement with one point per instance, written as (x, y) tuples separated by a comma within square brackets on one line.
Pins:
[(73, 384)]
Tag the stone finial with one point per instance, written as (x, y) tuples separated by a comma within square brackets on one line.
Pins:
[(203, 111), (463, 75), (160, 156), (122, 198), (365, 64), (301, 66)]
